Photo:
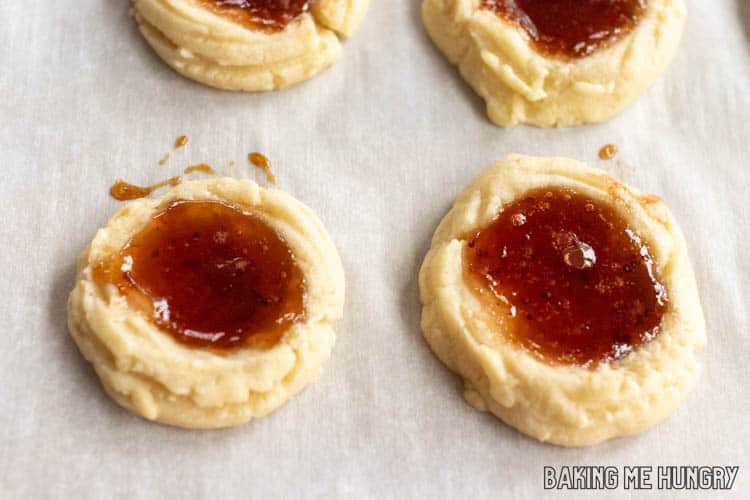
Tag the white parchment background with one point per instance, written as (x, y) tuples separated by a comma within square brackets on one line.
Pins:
[(379, 146)]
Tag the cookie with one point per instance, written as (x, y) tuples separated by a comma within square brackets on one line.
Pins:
[(209, 306), (250, 45), (556, 62), (565, 300)]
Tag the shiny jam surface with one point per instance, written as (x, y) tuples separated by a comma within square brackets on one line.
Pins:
[(211, 275), (570, 28), (573, 281), (270, 15)]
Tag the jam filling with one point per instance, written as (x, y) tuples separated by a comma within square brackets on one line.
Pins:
[(573, 282), (269, 15), (211, 275), (570, 28)]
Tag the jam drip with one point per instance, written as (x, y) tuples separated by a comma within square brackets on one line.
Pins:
[(264, 164), (123, 191), (570, 28), (572, 280), (211, 275), (270, 15)]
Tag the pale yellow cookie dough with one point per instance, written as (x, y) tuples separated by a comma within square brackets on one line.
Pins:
[(521, 85), (217, 51), (145, 370), (567, 405)]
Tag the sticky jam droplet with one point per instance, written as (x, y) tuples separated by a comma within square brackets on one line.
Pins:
[(264, 164), (268, 15), (201, 167), (574, 283), (570, 28), (123, 191), (180, 142), (608, 151), (211, 275)]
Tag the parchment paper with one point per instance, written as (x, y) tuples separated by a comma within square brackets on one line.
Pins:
[(379, 146)]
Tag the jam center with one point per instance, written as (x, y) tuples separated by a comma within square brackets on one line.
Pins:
[(574, 281), (211, 275), (271, 15), (570, 28)]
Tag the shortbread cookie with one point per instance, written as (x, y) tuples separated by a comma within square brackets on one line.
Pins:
[(210, 305), (250, 45), (556, 62), (565, 300)]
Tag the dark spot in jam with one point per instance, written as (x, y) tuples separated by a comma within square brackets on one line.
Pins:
[(270, 15), (574, 282), (211, 275), (570, 28)]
